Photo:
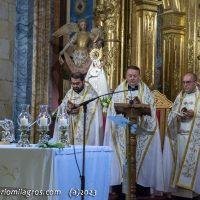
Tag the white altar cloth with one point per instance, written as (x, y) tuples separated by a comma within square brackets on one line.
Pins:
[(55, 169)]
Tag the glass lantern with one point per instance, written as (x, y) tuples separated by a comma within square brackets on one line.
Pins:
[(24, 122), (63, 124), (43, 121)]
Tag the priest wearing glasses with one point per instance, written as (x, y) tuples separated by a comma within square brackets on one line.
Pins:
[(182, 143)]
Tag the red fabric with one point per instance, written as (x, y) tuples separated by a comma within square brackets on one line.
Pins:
[(104, 121), (158, 115)]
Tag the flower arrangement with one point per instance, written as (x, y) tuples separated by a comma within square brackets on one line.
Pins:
[(52, 144), (105, 103)]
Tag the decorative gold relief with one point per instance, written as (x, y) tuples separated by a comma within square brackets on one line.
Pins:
[(190, 54), (190, 44), (111, 64), (173, 61), (173, 51), (108, 15), (108, 55), (175, 5), (163, 106), (144, 35), (148, 75), (161, 100), (197, 56), (181, 50)]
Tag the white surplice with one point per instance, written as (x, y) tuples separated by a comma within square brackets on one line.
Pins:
[(94, 122), (182, 148), (149, 169)]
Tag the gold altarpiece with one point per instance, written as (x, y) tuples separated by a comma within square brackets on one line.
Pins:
[(143, 38), (113, 17), (180, 43), (130, 28), (134, 40)]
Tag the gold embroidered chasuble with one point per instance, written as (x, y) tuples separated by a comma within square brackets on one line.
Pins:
[(182, 147), (94, 122), (148, 151)]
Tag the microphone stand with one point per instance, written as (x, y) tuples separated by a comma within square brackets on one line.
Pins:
[(84, 104), (83, 160)]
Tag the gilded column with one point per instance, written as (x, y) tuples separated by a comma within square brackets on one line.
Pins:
[(173, 43), (144, 38), (108, 15), (192, 36), (198, 40), (41, 58)]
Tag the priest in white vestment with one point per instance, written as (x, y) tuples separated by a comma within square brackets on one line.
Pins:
[(80, 92), (182, 142), (149, 169)]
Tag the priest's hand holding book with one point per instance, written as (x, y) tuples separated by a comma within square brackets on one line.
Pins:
[(71, 108), (185, 114)]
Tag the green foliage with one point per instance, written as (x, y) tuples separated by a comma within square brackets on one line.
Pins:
[(105, 102), (52, 144)]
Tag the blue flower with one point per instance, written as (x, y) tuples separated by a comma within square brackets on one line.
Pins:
[(133, 128), (120, 120)]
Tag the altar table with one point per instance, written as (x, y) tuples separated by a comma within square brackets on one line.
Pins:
[(54, 170)]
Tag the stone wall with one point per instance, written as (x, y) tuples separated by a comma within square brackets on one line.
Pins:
[(7, 42)]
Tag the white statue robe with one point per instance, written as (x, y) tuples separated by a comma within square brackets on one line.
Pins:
[(149, 169), (181, 152), (94, 122), (96, 77)]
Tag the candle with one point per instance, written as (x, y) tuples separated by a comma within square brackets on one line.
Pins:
[(24, 121), (43, 121), (63, 122)]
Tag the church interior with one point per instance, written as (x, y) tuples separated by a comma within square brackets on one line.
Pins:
[(161, 37)]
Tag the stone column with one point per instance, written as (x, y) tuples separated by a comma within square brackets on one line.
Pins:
[(7, 43), (143, 53), (22, 57)]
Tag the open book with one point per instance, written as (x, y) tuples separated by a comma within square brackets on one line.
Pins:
[(123, 122)]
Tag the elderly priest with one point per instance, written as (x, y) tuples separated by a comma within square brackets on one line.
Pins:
[(182, 143)]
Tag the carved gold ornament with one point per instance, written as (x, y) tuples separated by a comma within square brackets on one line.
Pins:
[(96, 54), (161, 100)]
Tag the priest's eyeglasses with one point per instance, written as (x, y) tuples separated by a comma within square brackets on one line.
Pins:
[(187, 82)]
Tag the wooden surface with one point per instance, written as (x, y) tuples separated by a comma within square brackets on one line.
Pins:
[(131, 111)]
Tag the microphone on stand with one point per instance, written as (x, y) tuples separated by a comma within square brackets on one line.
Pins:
[(97, 97), (84, 104), (54, 114)]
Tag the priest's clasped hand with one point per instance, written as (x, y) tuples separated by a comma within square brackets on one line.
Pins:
[(186, 115), (71, 108)]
